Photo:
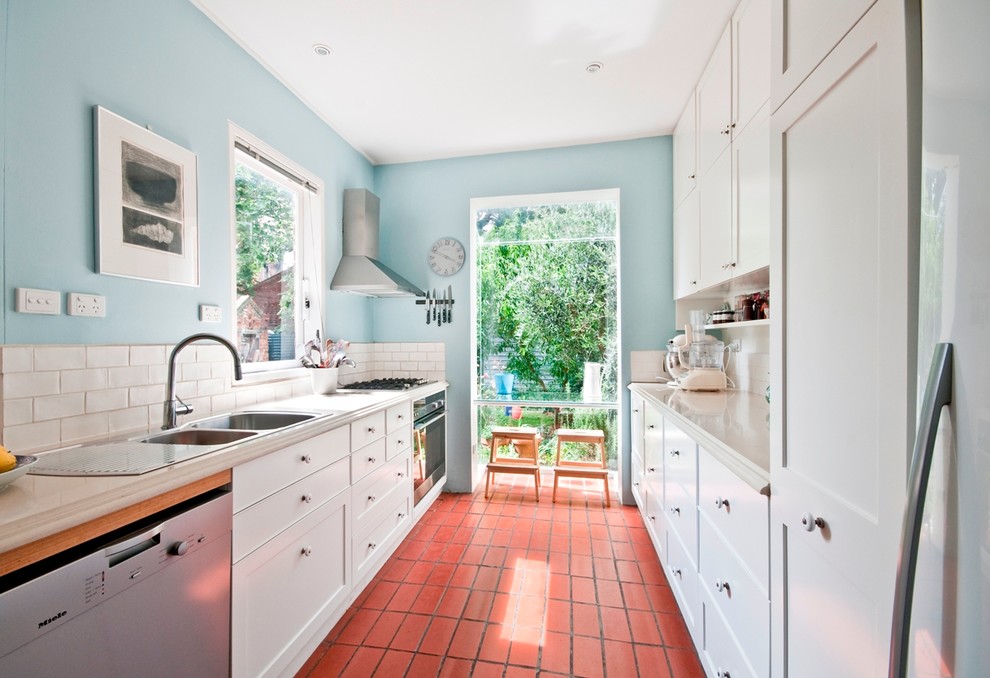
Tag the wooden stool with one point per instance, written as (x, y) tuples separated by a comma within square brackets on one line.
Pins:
[(526, 441), (581, 469)]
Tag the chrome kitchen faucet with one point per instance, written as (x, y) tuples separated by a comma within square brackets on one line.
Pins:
[(171, 409)]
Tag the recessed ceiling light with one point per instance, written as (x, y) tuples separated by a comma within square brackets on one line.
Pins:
[(322, 50), (594, 67)]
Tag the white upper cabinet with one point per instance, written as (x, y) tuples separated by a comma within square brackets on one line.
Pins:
[(715, 105), (722, 156), (716, 223), (686, 244), (685, 152), (750, 62), (803, 33), (843, 180), (751, 196)]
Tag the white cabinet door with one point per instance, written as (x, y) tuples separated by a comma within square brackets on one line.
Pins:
[(715, 224), (715, 105), (841, 232), (750, 61), (685, 152), (290, 585), (751, 196), (802, 34), (686, 246)]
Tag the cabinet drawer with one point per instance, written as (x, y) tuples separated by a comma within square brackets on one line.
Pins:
[(287, 587), (375, 488), (377, 540), (263, 520), (654, 519), (367, 459), (367, 429), (683, 578), (266, 475), (398, 441), (720, 652), (740, 599), (681, 516), (739, 513), (680, 459), (636, 480), (398, 417)]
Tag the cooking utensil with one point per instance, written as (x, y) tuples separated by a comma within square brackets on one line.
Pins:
[(450, 301), (443, 302), (427, 307)]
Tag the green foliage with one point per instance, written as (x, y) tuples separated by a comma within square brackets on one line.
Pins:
[(266, 219), (547, 293)]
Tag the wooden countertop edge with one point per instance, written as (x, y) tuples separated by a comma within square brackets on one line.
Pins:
[(33, 552)]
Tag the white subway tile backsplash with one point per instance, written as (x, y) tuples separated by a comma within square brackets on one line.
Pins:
[(29, 438), (57, 407), (59, 357), (127, 376), (17, 359), (83, 393), (132, 419), (146, 395), (16, 412), (86, 427), (107, 356), (30, 384), (104, 401), (148, 355), (74, 381)]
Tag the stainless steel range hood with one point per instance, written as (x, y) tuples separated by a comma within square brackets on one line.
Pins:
[(359, 270)]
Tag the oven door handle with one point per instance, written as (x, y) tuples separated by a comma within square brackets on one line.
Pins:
[(429, 422)]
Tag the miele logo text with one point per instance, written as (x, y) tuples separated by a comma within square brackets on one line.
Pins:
[(51, 619)]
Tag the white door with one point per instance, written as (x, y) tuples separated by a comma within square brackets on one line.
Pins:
[(751, 196), (750, 62), (715, 256), (686, 243), (842, 406), (715, 105)]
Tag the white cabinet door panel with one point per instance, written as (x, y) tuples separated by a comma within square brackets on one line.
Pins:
[(751, 62), (715, 223), (803, 33), (687, 243), (685, 152), (715, 105), (290, 583), (838, 464), (751, 196)]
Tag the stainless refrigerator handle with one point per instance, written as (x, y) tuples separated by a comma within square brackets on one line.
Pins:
[(938, 394)]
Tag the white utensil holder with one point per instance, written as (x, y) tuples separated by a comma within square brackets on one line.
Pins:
[(324, 380)]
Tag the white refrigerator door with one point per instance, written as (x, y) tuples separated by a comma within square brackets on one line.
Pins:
[(950, 629)]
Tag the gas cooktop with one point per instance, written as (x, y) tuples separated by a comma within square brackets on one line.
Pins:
[(386, 384)]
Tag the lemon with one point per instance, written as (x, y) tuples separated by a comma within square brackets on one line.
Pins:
[(7, 460)]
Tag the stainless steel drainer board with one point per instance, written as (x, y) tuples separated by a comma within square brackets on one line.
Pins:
[(115, 459)]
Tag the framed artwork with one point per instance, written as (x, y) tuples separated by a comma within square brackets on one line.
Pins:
[(146, 219)]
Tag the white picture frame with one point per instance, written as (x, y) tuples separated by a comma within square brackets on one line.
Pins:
[(146, 204)]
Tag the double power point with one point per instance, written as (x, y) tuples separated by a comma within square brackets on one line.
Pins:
[(49, 302)]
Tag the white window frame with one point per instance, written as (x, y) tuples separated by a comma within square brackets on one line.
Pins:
[(309, 273)]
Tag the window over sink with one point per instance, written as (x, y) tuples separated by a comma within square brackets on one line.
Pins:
[(277, 259)]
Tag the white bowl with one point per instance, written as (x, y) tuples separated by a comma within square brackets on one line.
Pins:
[(23, 464)]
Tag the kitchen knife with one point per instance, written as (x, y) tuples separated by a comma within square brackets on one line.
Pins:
[(443, 301), (434, 305), (450, 301), (427, 302)]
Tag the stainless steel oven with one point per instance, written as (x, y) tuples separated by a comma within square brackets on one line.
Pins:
[(429, 443)]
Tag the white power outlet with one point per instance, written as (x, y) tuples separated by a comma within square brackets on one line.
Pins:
[(48, 302), (88, 305), (210, 314)]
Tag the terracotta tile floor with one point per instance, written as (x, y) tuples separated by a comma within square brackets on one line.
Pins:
[(511, 587)]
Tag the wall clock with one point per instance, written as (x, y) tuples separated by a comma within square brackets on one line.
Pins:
[(446, 256)]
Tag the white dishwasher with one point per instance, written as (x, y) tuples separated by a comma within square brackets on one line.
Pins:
[(149, 599)]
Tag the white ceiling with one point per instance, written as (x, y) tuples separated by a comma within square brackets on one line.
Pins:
[(413, 80)]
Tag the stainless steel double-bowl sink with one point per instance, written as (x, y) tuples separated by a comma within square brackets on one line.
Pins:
[(229, 428)]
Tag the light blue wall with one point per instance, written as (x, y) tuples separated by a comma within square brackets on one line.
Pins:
[(159, 63), (424, 201)]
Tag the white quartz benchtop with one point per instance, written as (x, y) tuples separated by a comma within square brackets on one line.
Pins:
[(34, 507), (733, 426)]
